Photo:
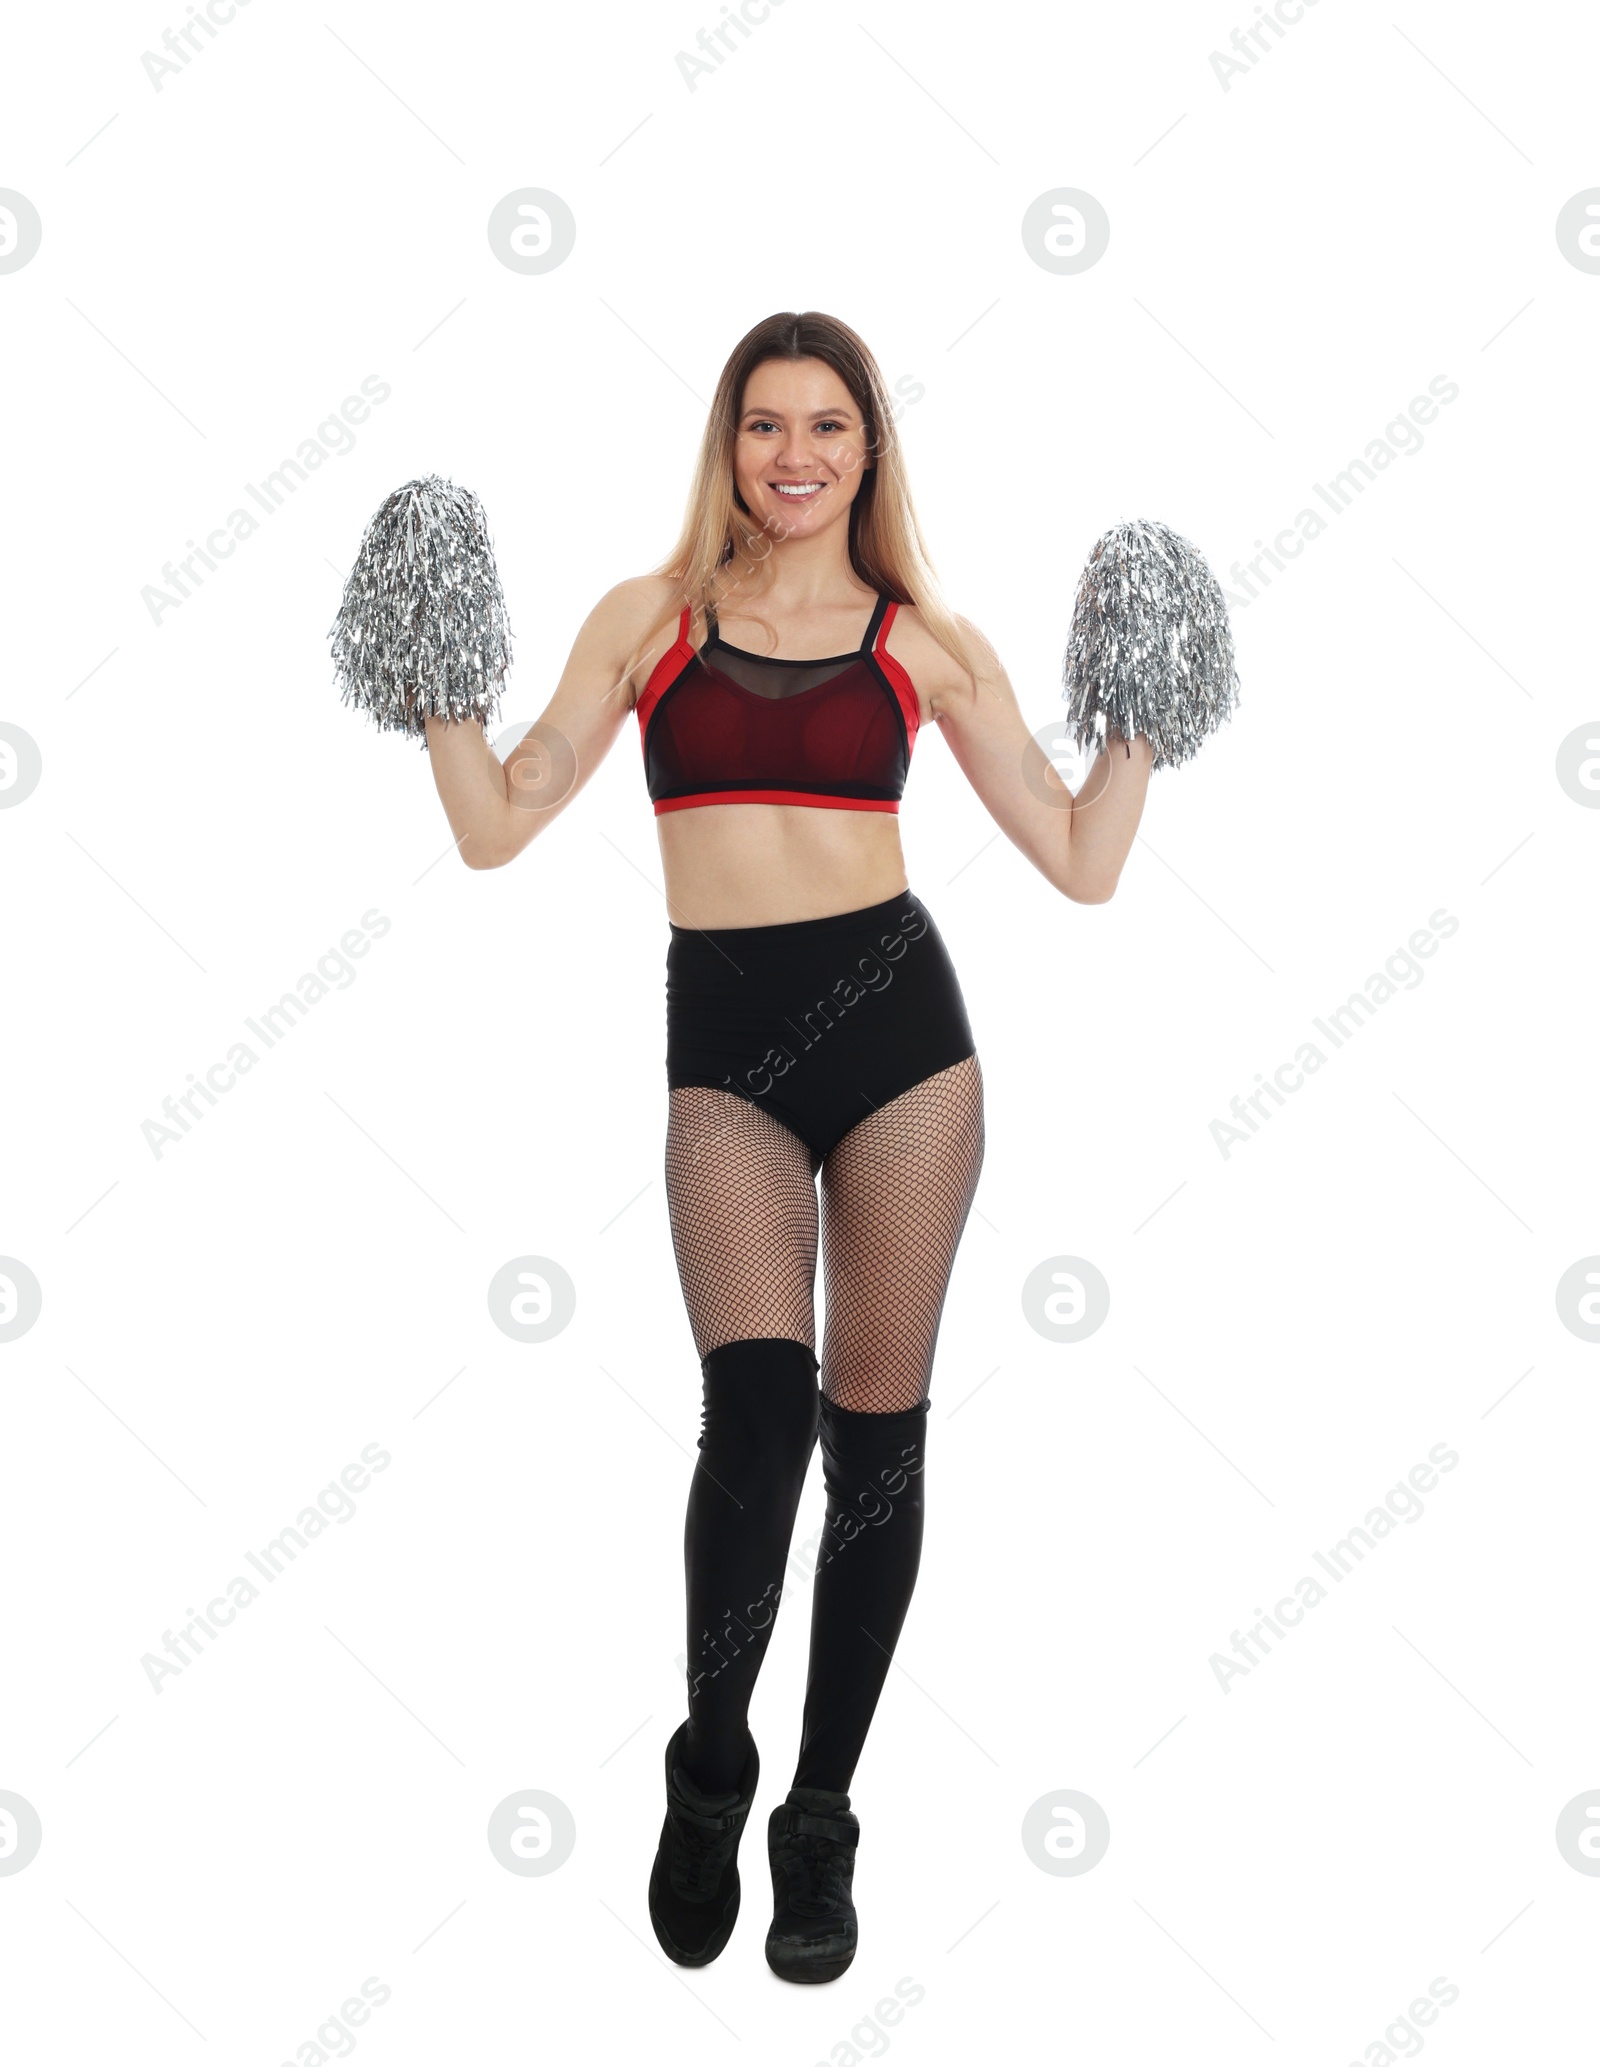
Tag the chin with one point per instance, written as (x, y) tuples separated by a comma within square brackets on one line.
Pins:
[(803, 518)]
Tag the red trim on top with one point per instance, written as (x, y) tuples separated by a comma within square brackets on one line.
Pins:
[(665, 672), (899, 681), (776, 796)]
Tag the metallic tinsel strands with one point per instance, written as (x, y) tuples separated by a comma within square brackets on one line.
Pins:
[(1150, 649), (422, 629)]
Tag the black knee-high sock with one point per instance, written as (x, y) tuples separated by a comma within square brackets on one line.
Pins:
[(872, 1465), (759, 1427)]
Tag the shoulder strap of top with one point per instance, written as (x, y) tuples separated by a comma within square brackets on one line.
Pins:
[(882, 618), (871, 639)]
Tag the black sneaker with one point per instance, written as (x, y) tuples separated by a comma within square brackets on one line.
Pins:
[(811, 1845), (694, 1883)]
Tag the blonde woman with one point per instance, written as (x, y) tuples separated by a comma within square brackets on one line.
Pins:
[(781, 665)]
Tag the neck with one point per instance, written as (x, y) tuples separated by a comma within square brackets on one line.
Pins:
[(804, 573)]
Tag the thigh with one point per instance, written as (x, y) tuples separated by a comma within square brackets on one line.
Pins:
[(742, 1199), (896, 1191)]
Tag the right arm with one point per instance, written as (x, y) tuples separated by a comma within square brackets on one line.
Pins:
[(496, 807)]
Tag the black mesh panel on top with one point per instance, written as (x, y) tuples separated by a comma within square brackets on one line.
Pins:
[(895, 1194), (774, 678)]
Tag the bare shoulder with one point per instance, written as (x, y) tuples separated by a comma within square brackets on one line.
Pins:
[(942, 682), (629, 608), (635, 621)]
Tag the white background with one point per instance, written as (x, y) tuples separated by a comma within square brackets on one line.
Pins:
[(1292, 1326)]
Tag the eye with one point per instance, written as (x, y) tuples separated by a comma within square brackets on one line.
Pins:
[(762, 423), (831, 423)]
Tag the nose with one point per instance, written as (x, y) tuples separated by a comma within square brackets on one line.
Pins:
[(794, 454)]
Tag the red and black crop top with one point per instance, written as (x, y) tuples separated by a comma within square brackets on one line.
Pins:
[(723, 726)]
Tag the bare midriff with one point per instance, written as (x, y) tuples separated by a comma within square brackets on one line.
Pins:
[(771, 864)]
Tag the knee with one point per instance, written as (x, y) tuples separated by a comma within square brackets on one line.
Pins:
[(874, 1462), (761, 1398)]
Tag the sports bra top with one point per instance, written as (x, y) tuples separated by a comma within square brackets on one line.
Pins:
[(723, 726)]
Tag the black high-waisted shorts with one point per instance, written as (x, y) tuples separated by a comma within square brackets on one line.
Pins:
[(819, 1021)]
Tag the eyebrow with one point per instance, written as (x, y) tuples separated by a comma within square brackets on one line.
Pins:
[(757, 410)]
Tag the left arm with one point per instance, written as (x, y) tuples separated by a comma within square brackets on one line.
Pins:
[(1078, 843)]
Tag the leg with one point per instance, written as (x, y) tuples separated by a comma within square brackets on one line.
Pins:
[(741, 1195), (896, 1192), (742, 1200)]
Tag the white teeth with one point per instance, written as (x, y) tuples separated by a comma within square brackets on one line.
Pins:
[(799, 488)]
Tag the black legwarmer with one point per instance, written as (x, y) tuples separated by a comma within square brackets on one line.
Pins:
[(759, 1426), (866, 1571)]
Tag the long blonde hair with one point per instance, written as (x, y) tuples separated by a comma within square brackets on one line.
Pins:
[(722, 550)]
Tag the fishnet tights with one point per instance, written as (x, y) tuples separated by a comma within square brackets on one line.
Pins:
[(896, 1191)]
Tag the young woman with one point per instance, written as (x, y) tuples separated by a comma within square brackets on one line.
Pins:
[(781, 664)]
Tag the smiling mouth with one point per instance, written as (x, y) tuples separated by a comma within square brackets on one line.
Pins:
[(797, 491)]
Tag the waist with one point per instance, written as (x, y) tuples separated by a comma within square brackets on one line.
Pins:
[(788, 936), (737, 979), (753, 865)]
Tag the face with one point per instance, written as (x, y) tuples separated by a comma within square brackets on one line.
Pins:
[(801, 449)]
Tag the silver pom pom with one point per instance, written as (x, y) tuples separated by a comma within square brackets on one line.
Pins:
[(1150, 649), (422, 629)]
